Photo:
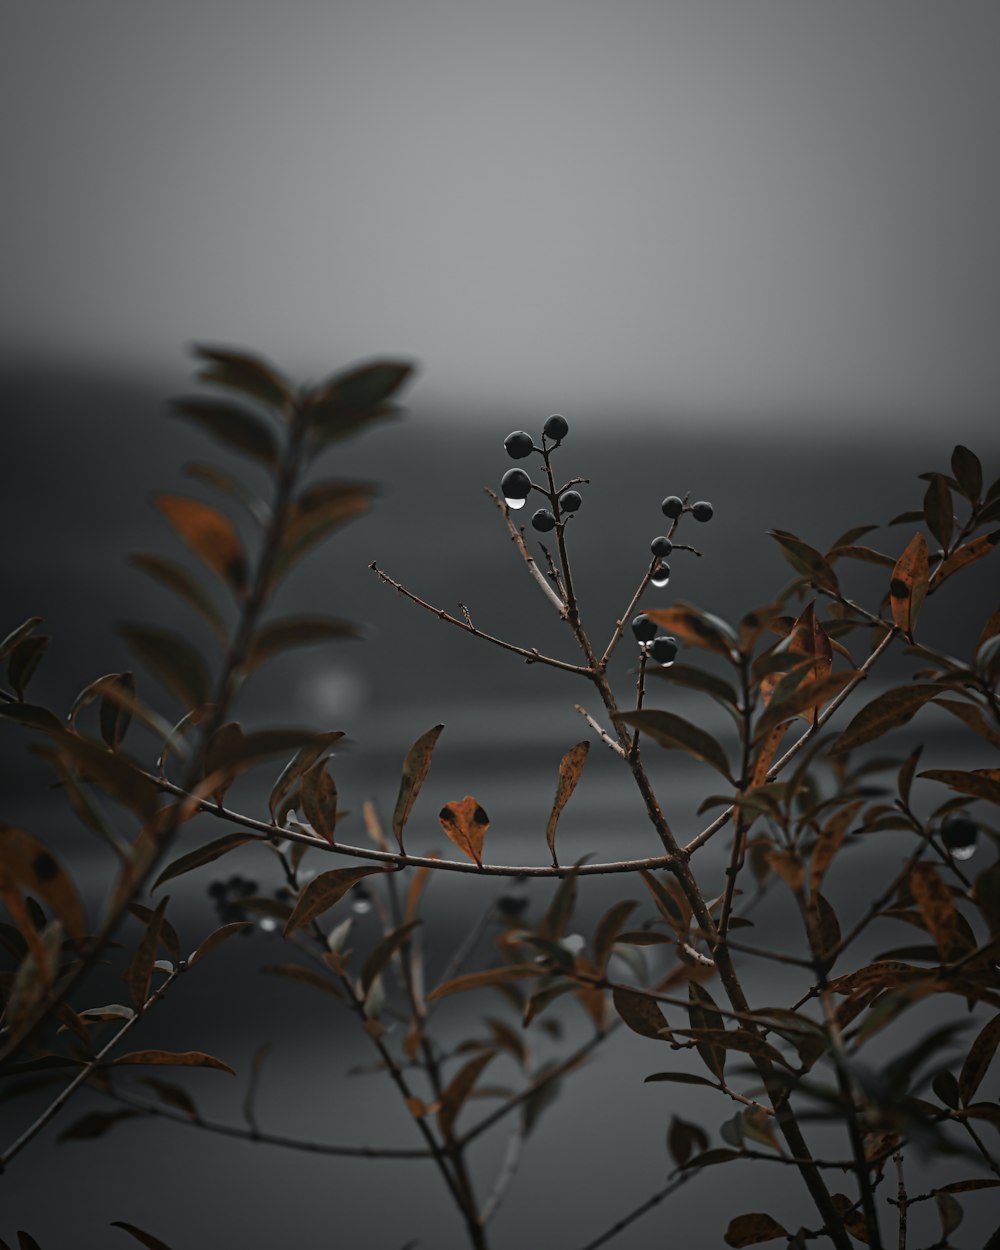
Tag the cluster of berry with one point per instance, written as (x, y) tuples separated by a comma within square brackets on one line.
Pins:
[(228, 896), (516, 485)]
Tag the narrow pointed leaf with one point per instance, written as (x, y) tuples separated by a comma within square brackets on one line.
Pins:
[(203, 855), (144, 1238), (323, 892), (18, 634), (978, 784), (244, 372), (503, 975), (214, 940), (807, 697), (908, 586), (209, 534), (173, 1058), (415, 769), (886, 711), (570, 768), (380, 956), (319, 800), (457, 1091), (307, 755), (298, 631), (968, 472), (806, 560), (939, 510), (968, 553), (695, 628), (172, 660), (642, 1015), (978, 1060), (234, 427), (184, 584), (140, 972), (676, 733), (32, 865)]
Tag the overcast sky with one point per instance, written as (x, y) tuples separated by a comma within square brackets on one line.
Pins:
[(728, 207)]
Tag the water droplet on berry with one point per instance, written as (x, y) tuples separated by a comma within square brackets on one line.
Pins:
[(963, 852), (661, 576), (514, 504), (362, 907), (267, 924)]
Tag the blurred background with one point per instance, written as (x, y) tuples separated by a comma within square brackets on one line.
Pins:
[(748, 249)]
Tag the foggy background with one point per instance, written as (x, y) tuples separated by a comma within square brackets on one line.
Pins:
[(749, 249)]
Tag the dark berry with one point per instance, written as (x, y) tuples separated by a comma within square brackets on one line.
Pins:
[(661, 546), (543, 520), (702, 511), (570, 500), (248, 888), (515, 484), (511, 905), (663, 649), (556, 428), (643, 628), (959, 832), (518, 445), (217, 889), (672, 506)]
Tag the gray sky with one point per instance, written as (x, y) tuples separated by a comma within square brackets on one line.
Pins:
[(732, 207)]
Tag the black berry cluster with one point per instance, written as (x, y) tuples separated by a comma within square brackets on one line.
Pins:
[(516, 485), (228, 897)]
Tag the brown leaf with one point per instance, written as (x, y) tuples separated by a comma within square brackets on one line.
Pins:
[(322, 892), (695, 628), (822, 924), (209, 534), (979, 783), (886, 711), (203, 855), (967, 554), (415, 769), (174, 1058), (808, 696), (970, 714), (806, 560), (222, 934), (384, 951), (246, 373), (641, 1013), (140, 972), (570, 768), (908, 586), (304, 976), (232, 426), (305, 757), (968, 471), (33, 866), (491, 976), (937, 908), (938, 509), (789, 867), (674, 732), (319, 800), (146, 1239), (174, 661), (978, 1060), (753, 1228), (297, 631), (453, 1097), (829, 841), (465, 823)]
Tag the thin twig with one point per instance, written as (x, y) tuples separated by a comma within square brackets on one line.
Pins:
[(604, 737), (508, 1170), (531, 656), (88, 1069), (801, 742), (620, 1225), (518, 540)]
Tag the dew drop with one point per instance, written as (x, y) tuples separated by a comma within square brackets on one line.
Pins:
[(963, 852), (514, 504), (661, 576), (362, 907), (667, 663), (267, 924)]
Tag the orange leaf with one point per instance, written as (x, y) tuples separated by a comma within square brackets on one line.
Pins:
[(570, 769), (466, 823), (908, 586), (209, 534)]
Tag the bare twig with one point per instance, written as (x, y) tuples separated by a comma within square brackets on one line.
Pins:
[(531, 656), (604, 737), (619, 1226), (517, 538)]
